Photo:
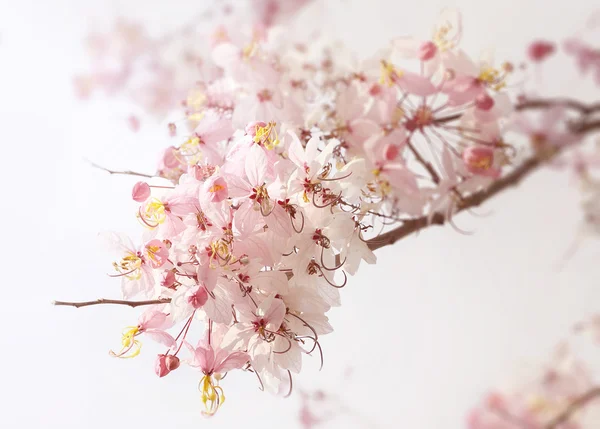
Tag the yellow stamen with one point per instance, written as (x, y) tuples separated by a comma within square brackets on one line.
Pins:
[(130, 346), (215, 188), (250, 50), (154, 213), (440, 38), (267, 136), (389, 74), (212, 394), (129, 266), (493, 78), (191, 151), (482, 163), (195, 101)]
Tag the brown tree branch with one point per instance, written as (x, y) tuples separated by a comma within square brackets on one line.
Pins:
[(573, 407), (124, 172), (512, 179), (112, 301)]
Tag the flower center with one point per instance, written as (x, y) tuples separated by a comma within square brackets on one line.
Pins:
[(130, 266), (389, 74), (267, 136)]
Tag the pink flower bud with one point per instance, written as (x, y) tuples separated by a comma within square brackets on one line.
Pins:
[(390, 151), (375, 90), (197, 296), (160, 366), (540, 50), (253, 126), (169, 160), (165, 364), (168, 279), (140, 192), (479, 160), (172, 362), (484, 102), (427, 51)]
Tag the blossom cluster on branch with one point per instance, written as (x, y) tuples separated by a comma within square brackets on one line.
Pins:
[(291, 159)]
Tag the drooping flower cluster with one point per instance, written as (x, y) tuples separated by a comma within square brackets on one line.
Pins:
[(287, 158)]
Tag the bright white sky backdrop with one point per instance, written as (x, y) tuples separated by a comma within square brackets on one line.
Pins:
[(440, 318)]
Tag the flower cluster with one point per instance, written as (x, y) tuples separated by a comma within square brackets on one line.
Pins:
[(289, 155), (157, 72)]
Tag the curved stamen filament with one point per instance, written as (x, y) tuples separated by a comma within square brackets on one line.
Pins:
[(212, 395), (129, 343)]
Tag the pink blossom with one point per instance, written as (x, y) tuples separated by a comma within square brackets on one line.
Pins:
[(480, 160)]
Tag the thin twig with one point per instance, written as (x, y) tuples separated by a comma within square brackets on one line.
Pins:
[(427, 165), (112, 301), (124, 172)]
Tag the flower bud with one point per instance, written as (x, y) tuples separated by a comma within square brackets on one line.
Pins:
[(390, 151), (253, 126), (484, 102), (172, 362), (169, 160), (165, 364), (160, 366), (197, 296), (140, 192), (427, 51), (168, 279), (539, 50)]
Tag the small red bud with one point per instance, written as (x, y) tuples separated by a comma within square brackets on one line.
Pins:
[(484, 102)]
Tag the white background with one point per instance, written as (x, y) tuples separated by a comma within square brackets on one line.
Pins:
[(440, 319)]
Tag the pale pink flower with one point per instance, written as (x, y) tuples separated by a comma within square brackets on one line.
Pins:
[(151, 323)]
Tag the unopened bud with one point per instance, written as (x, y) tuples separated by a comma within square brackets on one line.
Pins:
[(390, 152), (160, 366), (427, 51), (484, 102), (168, 279), (197, 296), (140, 192), (172, 362)]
